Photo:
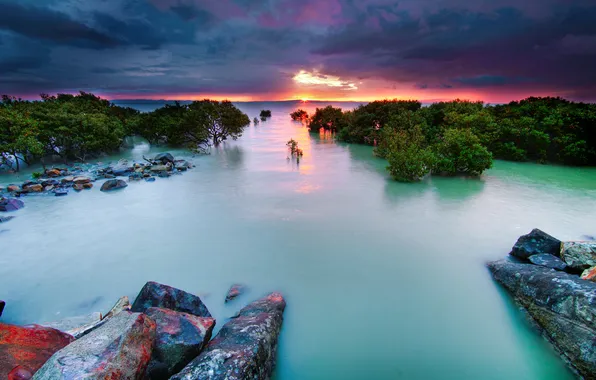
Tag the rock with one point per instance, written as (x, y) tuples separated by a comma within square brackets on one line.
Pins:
[(235, 291), (588, 274), (547, 260), (135, 176), (121, 170), (11, 204), (68, 179), (579, 255), (120, 306), (536, 242), (28, 347), (182, 165), (245, 347), (53, 173), (20, 373), (48, 188), (179, 339), (13, 188), (154, 294), (60, 192), (163, 174), (113, 184), (562, 305), (50, 182), (81, 180), (73, 323), (4, 219), (78, 186), (88, 185), (2, 305), (164, 158), (150, 179), (33, 188), (160, 168), (119, 349)]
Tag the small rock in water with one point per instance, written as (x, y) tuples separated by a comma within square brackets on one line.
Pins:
[(164, 158), (13, 188), (150, 179), (534, 243), (180, 338), (33, 188), (163, 174), (113, 184), (119, 349), (588, 274), (4, 219), (78, 186), (121, 170), (2, 305), (60, 192), (235, 291), (579, 255), (81, 180), (548, 260), (53, 173), (154, 294), (160, 168), (29, 347), (11, 204), (87, 185), (68, 179), (589, 237)]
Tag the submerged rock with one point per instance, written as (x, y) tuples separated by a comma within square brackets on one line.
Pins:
[(562, 304), (547, 260), (235, 291), (534, 243), (579, 255), (113, 184), (150, 179), (2, 305), (11, 204), (154, 294), (245, 348), (164, 158), (119, 349), (179, 339), (4, 219), (29, 347), (60, 192)]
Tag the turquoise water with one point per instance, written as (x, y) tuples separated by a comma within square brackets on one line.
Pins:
[(383, 280)]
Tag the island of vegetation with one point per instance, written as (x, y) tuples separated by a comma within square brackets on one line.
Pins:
[(463, 137), (81, 127)]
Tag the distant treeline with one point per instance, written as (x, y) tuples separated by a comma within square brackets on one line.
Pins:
[(463, 136), (85, 126)]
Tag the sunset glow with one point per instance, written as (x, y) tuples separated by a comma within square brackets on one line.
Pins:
[(317, 79)]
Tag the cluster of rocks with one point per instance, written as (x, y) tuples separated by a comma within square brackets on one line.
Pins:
[(164, 334), (58, 181), (555, 282)]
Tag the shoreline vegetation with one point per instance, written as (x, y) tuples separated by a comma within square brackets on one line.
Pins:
[(80, 127), (463, 137)]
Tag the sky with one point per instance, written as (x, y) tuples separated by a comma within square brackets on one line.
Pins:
[(243, 50)]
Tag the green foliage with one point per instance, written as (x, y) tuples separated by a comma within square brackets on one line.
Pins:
[(460, 152), (36, 175), (292, 146), (409, 160), (299, 115), (83, 126), (265, 113), (328, 118)]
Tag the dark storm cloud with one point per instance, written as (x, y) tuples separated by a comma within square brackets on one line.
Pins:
[(254, 46), (46, 24)]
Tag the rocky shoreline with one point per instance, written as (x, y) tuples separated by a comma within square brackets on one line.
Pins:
[(58, 181), (164, 334), (555, 283)]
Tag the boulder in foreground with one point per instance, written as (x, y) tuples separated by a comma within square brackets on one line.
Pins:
[(154, 294), (164, 158), (113, 184), (562, 304), (246, 346), (235, 291), (547, 260), (119, 349), (180, 338), (579, 255), (28, 347), (534, 243)]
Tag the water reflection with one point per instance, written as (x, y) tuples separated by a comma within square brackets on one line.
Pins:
[(398, 192), (229, 156), (457, 188)]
